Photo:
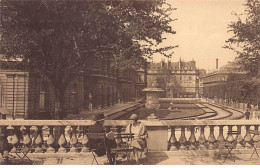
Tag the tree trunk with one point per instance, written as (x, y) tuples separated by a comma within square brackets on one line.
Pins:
[(59, 115)]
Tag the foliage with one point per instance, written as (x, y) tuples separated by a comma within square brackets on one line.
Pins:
[(246, 43), (246, 39), (58, 38), (240, 88), (167, 81)]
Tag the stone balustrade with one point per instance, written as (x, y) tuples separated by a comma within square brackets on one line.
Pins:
[(163, 135)]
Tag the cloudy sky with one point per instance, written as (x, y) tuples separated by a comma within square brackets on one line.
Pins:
[(202, 30)]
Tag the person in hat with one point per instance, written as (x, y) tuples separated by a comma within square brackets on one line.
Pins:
[(99, 144), (140, 134)]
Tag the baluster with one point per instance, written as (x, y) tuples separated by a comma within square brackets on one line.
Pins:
[(211, 138), (62, 141), (221, 136), (15, 139), (22, 134), (27, 139), (183, 139), (85, 140), (256, 138), (192, 138), (239, 138), (247, 137), (230, 138), (39, 140), (51, 141), (73, 140), (202, 139), (173, 140)]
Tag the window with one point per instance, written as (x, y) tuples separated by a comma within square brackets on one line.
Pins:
[(43, 96), (2, 96), (73, 96), (190, 78), (180, 77)]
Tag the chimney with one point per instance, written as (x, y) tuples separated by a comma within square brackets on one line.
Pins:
[(217, 63)]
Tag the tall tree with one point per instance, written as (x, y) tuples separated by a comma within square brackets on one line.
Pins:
[(246, 43), (246, 39), (57, 38)]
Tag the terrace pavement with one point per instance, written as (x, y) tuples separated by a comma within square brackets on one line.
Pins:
[(183, 157)]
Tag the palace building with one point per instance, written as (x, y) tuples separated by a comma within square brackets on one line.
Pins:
[(178, 79), (28, 95)]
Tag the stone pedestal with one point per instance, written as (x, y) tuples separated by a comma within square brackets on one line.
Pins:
[(152, 100), (157, 135)]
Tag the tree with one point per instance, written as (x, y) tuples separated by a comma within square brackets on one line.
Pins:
[(246, 43), (246, 39), (57, 38), (167, 81)]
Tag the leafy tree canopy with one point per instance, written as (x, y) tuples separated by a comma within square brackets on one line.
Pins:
[(58, 38), (246, 39)]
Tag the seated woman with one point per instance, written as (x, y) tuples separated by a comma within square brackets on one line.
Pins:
[(140, 134)]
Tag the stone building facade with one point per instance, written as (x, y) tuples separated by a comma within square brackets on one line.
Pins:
[(215, 79), (42, 97), (109, 86), (31, 96), (181, 79), (14, 93)]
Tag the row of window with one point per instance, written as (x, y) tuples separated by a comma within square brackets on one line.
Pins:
[(215, 78), (188, 84), (184, 77), (187, 68)]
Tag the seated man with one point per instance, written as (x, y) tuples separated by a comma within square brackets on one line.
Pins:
[(140, 134), (99, 144)]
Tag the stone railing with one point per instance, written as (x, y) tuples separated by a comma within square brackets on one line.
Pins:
[(162, 135), (242, 107)]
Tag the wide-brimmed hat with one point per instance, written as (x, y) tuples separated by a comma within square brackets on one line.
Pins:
[(99, 117), (133, 117)]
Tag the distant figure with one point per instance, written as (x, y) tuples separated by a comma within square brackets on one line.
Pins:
[(90, 99), (247, 114)]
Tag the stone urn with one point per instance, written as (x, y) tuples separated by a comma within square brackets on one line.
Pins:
[(152, 99)]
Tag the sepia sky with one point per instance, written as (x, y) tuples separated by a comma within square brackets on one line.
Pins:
[(201, 31)]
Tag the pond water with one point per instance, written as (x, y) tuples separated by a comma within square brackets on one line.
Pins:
[(168, 110)]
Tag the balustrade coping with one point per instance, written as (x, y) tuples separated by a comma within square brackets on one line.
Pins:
[(125, 122)]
